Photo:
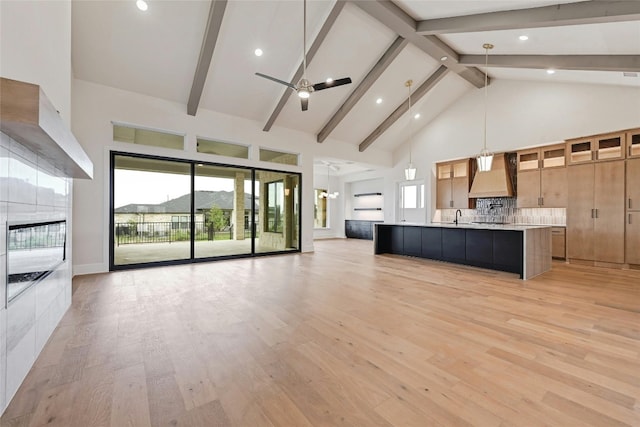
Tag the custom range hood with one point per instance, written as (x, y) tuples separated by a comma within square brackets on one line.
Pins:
[(493, 183)]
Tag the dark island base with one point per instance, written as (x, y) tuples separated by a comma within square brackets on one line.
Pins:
[(495, 249)]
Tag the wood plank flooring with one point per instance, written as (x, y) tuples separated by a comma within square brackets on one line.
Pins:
[(340, 337)]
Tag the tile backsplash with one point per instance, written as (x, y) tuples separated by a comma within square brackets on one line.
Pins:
[(503, 209)]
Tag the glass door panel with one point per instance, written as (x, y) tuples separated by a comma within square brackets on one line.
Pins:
[(222, 210), (152, 210), (277, 217)]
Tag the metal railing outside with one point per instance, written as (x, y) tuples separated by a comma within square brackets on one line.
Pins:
[(167, 232)]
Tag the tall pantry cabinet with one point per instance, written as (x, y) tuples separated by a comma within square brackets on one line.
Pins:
[(596, 205), (633, 198)]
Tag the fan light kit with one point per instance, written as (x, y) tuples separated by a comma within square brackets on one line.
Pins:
[(304, 87)]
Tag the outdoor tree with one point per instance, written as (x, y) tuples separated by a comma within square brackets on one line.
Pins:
[(216, 218)]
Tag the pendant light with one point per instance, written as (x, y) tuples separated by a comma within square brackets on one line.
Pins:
[(326, 194), (410, 170), (485, 159)]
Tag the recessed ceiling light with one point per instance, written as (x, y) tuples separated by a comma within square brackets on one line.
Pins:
[(417, 116), (550, 71), (444, 58), (524, 38), (379, 101), (329, 80), (142, 5), (258, 52)]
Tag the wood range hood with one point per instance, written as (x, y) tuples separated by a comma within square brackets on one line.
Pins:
[(493, 183), (27, 115)]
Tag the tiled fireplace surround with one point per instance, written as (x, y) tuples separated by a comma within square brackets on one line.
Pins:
[(31, 189), (504, 210)]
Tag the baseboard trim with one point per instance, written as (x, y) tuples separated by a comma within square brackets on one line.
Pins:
[(82, 269)]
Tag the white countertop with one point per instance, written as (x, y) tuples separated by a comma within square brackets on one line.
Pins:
[(511, 227)]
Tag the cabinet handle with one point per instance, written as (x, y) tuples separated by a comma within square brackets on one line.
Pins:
[(629, 202), (596, 213), (450, 203), (593, 215), (541, 201), (629, 218)]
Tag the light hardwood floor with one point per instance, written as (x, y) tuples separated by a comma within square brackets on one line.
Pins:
[(340, 338)]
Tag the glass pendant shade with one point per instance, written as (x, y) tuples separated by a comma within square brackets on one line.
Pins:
[(485, 159), (410, 172)]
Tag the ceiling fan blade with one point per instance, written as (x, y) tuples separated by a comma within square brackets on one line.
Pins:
[(334, 83), (304, 102), (282, 82)]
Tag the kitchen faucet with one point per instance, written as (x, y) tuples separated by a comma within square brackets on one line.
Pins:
[(456, 220)]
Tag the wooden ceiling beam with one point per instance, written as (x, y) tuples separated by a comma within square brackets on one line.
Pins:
[(385, 60), (424, 88), (580, 13), (404, 25), (216, 13), (622, 63)]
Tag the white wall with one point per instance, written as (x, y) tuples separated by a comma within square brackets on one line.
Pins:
[(96, 106), (35, 47), (520, 114)]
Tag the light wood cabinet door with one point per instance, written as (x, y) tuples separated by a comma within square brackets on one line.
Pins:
[(443, 194), (609, 146), (553, 187), (460, 192), (633, 238), (580, 151), (633, 184), (609, 205), (633, 143), (528, 189), (580, 212), (558, 245)]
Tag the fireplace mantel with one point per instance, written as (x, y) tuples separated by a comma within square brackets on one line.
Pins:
[(27, 115)]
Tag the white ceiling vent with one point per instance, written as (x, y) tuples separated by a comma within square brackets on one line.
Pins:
[(629, 74)]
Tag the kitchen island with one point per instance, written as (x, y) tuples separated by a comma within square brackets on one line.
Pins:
[(521, 249)]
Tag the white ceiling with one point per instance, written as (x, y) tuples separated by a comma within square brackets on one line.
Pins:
[(156, 53)]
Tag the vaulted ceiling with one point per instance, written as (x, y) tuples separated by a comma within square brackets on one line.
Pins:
[(165, 52)]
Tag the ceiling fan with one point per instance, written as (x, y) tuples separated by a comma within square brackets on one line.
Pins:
[(304, 87)]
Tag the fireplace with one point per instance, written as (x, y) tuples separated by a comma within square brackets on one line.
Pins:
[(34, 250)]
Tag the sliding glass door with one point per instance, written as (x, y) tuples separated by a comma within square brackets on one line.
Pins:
[(152, 210), (277, 217), (223, 197), (174, 211)]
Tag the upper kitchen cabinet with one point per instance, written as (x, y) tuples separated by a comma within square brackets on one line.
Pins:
[(453, 183), (595, 148), (633, 143), (542, 177)]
